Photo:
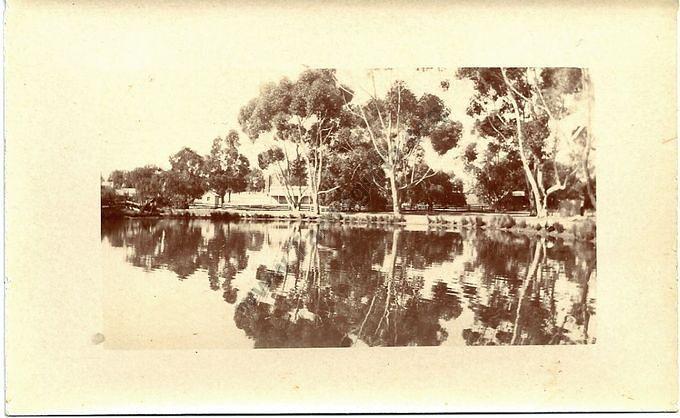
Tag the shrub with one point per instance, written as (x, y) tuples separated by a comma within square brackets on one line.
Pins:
[(224, 216), (538, 227), (558, 227), (522, 223), (584, 229), (510, 222), (495, 221), (479, 222), (505, 221), (464, 221)]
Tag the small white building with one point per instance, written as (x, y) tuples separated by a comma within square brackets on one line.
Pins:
[(298, 194), (210, 199), (277, 191)]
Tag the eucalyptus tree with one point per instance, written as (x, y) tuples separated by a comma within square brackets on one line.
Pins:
[(305, 116), (225, 168), (537, 114), (354, 174), (255, 180), (147, 181), (184, 182), (398, 125)]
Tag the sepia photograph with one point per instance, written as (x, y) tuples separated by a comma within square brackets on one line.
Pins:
[(302, 207), (379, 207)]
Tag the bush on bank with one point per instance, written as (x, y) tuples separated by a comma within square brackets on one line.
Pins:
[(580, 229)]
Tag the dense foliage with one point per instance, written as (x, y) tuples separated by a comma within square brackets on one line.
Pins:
[(530, 132)]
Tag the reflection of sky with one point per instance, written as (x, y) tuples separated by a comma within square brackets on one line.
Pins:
[(154, 310)]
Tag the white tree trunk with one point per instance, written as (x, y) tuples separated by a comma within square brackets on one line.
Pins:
[(395, 191)]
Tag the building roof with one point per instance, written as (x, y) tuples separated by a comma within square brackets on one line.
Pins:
[(210, 192)]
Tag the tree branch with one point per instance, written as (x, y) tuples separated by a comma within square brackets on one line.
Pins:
[(329, 190), (428, 173)]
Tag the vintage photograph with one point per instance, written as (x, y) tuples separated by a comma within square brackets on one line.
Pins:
[(331, 207), (303, 207)]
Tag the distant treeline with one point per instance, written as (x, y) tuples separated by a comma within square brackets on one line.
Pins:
[(531, 133)]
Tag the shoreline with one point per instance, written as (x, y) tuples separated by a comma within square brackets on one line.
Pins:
[(580, 228)]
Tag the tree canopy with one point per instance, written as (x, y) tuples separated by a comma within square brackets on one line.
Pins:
[(226, 169)]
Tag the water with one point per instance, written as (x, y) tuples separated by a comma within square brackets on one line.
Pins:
[(204, 284)]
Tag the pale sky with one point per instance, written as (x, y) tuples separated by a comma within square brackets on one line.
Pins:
[(202, 101), (142, 88), (128, 85)]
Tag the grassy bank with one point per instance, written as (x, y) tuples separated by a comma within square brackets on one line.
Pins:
[(579, 228)]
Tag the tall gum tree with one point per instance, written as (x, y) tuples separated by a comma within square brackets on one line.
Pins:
[(306, 114), (226, 169), (185, 180), (540, 113), (397, 126)]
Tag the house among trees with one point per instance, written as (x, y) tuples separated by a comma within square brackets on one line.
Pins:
[(516, 200), (300, 194), (209, 199), (274, 194)]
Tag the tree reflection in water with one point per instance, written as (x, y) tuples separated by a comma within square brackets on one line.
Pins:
[(336, 286)]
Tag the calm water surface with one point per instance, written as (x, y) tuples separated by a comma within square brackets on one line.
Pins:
[(207, 284)]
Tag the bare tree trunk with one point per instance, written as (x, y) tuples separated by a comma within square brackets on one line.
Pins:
[(317, 172), (395, 192), (314, 192), (312, 177), (540, 209), (313, 188), (588, 144)]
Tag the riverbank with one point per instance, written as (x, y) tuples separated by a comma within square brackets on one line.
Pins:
[(581, 228)]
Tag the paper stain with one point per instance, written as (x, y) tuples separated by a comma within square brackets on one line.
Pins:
[(553, 371), (98, 338)]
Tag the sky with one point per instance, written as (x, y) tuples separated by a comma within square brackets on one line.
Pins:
[(144, 86), (198, 106)]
